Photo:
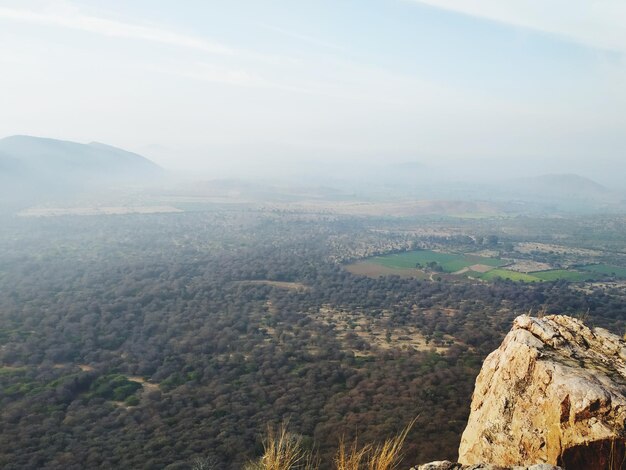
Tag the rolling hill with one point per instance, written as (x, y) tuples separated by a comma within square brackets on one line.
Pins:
[(563, 185), (31, 166)]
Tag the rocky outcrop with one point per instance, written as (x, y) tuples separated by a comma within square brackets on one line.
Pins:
[(553, 392), (446, 465)]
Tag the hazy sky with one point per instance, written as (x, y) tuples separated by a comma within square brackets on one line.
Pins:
[(206, 83)]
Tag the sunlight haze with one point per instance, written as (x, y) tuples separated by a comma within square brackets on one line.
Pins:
[(313, 234), (222, 86)]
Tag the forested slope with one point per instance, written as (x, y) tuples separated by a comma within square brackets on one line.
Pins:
[(133, 341)]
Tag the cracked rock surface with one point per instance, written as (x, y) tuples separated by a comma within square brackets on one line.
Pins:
[(554, 393), (446, 465)]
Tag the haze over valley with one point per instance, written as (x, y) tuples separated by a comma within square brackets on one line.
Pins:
[(38, 172), (274, 235)]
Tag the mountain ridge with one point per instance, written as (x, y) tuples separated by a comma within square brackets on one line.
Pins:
[(38, 166), (32, 149), (562, 182)]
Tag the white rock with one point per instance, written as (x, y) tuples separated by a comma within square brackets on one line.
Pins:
[(552, 393)]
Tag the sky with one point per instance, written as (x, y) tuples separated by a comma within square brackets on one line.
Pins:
[(213, 86)]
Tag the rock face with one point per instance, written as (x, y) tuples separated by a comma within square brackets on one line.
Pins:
[(445, 465), (553, 392)]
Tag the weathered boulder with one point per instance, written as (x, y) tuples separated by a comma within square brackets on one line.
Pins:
[(446, 465), (553, 392)]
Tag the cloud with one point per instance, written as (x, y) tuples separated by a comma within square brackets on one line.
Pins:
[(598, 23), (243, 68), (302, 37), (217, 74), (106, 27)]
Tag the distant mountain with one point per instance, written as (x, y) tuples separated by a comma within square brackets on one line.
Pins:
[(566, 185), (566, 191), (34, 164)]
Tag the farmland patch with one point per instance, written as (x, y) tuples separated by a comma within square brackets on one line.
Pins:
[(434, 260), (279, 284), (607, 269), (558, 274), (506, 274)]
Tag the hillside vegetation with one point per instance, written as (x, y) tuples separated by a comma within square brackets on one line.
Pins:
[(153, 340)]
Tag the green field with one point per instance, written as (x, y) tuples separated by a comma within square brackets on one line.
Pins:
[(506, 274), (606, 269), (453, 262), (551, 275), (449, 262), (557, 274)]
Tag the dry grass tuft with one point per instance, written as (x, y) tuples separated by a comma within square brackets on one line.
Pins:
[(351, 458), (283, 451), (385, 456)]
